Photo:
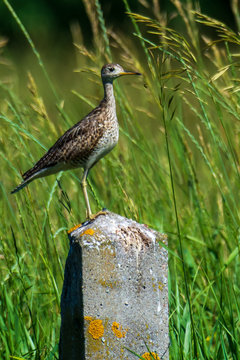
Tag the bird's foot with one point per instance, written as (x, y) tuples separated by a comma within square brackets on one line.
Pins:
[(92, 217)]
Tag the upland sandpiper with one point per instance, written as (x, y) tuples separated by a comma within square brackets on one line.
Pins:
[(87, 141)]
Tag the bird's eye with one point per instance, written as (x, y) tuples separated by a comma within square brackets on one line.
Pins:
[(111, 69)]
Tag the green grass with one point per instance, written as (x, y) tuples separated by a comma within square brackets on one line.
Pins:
[(176, 168)]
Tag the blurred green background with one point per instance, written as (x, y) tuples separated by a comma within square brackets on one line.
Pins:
[(55, 25), (49, 21)]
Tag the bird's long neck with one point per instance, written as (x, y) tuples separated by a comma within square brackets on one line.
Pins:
[(109, 94)]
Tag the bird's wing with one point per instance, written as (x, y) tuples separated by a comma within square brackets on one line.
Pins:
[(76, 143)]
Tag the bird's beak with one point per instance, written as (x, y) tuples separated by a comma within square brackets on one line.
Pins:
[(125, 72)]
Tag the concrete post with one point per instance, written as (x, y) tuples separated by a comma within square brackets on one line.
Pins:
[(115, 292)]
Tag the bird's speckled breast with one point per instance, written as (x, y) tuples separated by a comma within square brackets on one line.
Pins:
[(107, 142)]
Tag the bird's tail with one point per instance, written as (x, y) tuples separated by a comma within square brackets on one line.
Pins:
[(21, 186), (32, 174), (28, 176)]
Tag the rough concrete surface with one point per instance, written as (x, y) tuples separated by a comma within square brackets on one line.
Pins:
[(115, 293)]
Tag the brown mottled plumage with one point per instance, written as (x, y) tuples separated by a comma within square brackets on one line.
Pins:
[(87, 141)]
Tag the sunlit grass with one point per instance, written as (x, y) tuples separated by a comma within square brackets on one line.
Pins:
[(175, 168)]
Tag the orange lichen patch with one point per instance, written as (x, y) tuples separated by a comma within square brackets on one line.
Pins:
[(88, 318), (117, 330), (150, 356), (88, 232), (96, 328), (74, 228)]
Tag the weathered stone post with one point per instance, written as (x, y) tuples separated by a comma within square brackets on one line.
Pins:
[(115, 292)]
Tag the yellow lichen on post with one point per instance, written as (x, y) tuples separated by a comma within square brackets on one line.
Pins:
[(150, 356), (117, 330), (88, 232), (96, 328), (160, 285), (109, 284)]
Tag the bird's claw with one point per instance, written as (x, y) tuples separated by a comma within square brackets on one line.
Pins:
[(92, 217)]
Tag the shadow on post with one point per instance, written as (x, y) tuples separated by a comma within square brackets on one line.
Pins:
[(72, 344)]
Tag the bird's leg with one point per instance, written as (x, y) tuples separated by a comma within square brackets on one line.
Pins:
[(84, 188), (90, 216)]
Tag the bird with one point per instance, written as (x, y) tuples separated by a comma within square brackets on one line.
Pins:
[(85, 143)]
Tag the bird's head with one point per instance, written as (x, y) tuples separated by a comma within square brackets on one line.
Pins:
[(110, 72)]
